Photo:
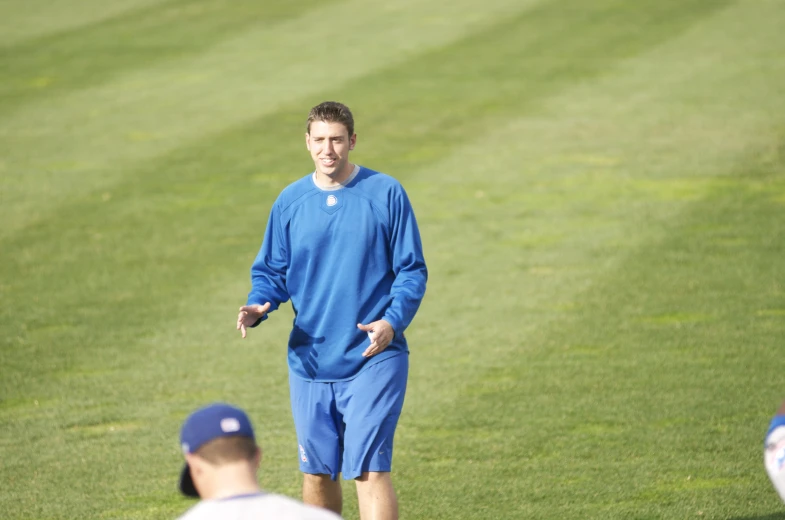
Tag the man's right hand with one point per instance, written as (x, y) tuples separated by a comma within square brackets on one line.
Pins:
[(250, 314)]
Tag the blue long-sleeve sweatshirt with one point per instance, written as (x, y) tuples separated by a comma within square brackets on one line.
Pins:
[(343, 256)]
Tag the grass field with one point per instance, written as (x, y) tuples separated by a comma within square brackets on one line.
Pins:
[(600, 186)]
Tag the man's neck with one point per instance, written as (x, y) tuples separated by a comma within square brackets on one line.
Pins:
[(327, 181), (230, 480)]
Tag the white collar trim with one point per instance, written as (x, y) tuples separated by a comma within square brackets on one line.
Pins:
[(341, 185)]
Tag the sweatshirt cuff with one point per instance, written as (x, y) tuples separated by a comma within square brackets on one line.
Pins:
[(260, 320), (255, 301), (396, 326)]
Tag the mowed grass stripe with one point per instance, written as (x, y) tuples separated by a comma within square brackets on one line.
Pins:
[(591, 159), (57, 148), (648, 397), (108, 407), (32, 187), (158, 247), (535, 56), (57, 64), (31, 19), (176, 190), (616, 161), (624, 155)]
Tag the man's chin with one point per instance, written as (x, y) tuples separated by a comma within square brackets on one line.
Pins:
[(329, 171)]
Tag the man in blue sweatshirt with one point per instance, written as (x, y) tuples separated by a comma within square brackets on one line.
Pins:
[(343, 244)]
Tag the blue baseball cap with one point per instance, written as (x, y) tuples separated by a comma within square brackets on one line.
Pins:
[(204, 425)]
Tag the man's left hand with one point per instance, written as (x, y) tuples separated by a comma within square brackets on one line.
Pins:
[(380, 333)]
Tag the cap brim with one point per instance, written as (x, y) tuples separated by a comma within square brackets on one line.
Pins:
[(187, 487)]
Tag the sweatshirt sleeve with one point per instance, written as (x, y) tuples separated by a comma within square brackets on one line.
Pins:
[(408, 263), (268, 272)]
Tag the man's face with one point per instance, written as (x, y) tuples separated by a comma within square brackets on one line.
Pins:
[(329, 144)]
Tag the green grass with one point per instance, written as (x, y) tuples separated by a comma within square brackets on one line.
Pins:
[(601, 192)]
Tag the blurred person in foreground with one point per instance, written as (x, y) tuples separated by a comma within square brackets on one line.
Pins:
[(221, 462), (774, 451), (343, 244)]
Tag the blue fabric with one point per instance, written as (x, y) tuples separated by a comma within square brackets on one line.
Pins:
[(213, 421), (348, 426), (344, 257), (776, 422)]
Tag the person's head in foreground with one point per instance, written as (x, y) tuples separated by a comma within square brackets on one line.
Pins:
[(221, 462), (221, 454), (774, 451)]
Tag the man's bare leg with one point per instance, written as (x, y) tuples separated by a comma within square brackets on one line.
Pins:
[(322, 491), (376, 496)]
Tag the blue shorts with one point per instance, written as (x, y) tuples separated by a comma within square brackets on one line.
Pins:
[(348, 426)]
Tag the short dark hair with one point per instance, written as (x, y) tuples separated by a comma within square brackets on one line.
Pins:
[(331, 112), (224, 450)]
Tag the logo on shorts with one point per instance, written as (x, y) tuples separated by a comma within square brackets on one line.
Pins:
[(332, 200), (302, 454)]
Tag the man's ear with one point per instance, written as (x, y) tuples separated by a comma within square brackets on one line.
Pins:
[(196, 463), (352, 141), (307, 141)]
